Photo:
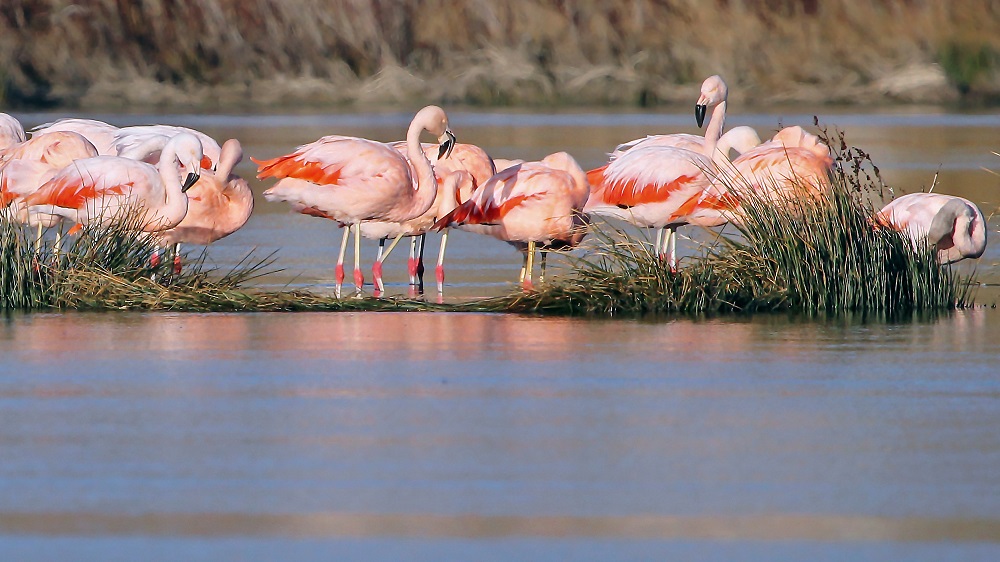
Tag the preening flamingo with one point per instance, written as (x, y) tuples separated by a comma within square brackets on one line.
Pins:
[(219, 203), (529, 204), (11, 131), (792, 164), (351, 180), (665, 186), (953, 226), (474, 167), (98, 189)]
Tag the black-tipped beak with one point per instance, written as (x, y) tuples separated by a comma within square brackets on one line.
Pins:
[(699, 114), (190, 180), (447, 146)]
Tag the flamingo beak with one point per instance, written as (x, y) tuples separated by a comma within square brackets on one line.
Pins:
[(190, 180), (447, 145), (699, 113)]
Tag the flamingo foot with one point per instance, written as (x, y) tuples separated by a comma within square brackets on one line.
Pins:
[(359, 279)]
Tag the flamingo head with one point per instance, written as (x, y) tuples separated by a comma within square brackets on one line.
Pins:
[(188, 152), (713, 92), (434, 120)]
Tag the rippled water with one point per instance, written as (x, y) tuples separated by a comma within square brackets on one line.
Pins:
[(466, 436)]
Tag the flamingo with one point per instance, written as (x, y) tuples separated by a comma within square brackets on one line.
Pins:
[(352, 180), (11, 131), (529, 204), (740, 139), (791, 164), (97, 189), (474, 167), (25, 167), (219, 203), (952, 225), (666, 186)]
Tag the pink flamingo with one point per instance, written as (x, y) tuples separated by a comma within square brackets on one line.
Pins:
[(664, 186), (351, 180), (99, 133), (219, 204), (792, 164), (473, 167), (25, 167), (98, 189), (11, 131), (529, 204), (953, 226)]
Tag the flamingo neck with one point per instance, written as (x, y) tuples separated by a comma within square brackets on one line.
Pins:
[(714, 130), (145, 150), (426, 183), (175, 202)]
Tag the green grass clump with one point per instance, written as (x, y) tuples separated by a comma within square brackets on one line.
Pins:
[(811, 255)]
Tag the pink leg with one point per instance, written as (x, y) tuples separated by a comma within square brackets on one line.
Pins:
[(177, 259), (359, 278), (439, 269), (340, 260), (377, 268), (411, 264)]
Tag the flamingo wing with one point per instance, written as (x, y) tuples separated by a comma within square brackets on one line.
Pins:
[(653, 174), (507, 190), (93, 178)]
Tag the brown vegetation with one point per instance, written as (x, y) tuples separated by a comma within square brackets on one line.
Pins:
[(280, 52)]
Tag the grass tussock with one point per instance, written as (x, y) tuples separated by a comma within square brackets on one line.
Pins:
[(632, 52), (811, 255)]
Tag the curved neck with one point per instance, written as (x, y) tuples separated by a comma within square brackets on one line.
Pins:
[(426, 183), (176, 201), (146, 149), (714, 130)]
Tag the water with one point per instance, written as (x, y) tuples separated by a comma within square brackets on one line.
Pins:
[(467, 436)]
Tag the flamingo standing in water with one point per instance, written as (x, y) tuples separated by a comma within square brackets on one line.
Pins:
[(952, 225), (219, 203), (352, 180), (98, 189), (473, 167), (11, 131), (665, 186), (529, 204)]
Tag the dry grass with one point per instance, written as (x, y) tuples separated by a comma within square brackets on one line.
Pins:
[(263, 52)]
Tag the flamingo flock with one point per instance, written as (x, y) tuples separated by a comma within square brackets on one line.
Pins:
[(81, 171)]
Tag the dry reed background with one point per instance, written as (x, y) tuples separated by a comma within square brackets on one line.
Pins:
[(258, 53)]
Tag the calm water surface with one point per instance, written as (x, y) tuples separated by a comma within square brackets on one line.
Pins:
[(430, 437)]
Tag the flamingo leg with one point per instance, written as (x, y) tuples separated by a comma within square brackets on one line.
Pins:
[(38, 240), (382, 257), (672, 252), (528, 266), (411, 264), (377, 266), (659, 239), (541, 275), (439, 269), (58, 245), (340, 259), (177, 258), (359, 278), (524, 267), (420, 263)]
